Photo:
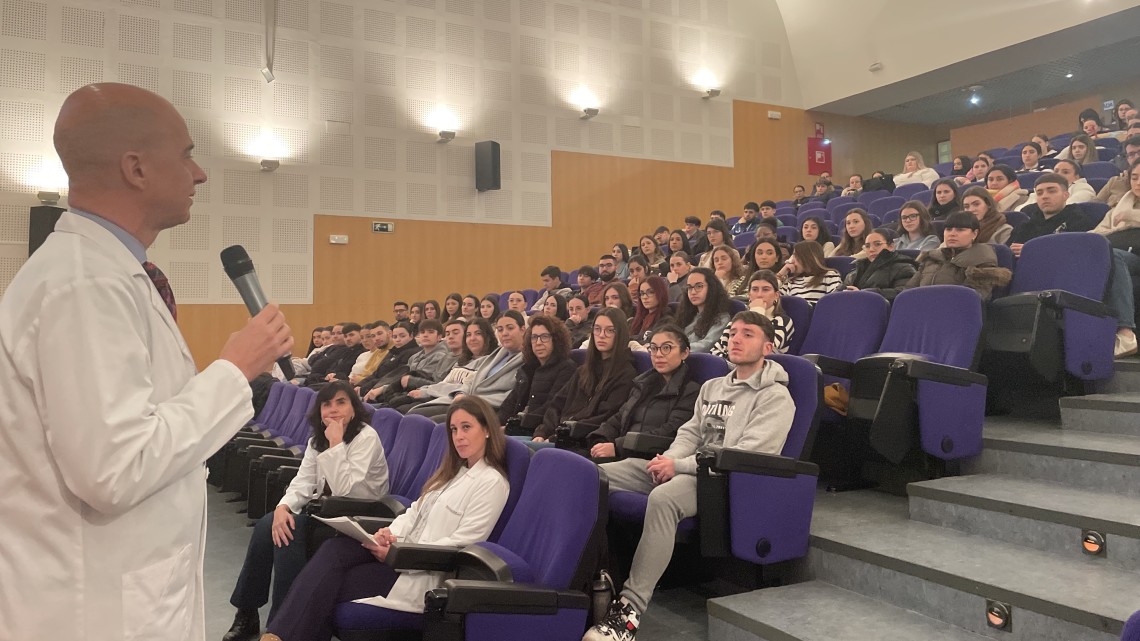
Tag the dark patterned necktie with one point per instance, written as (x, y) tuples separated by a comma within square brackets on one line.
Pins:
[(163, 287)]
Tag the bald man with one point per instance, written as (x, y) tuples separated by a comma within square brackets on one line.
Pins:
[(106, 424)]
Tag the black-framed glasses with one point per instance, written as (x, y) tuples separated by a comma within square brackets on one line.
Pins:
[(645, 293), (664, 349), (604, 331), (873, 244), (695, 287), (909, 217), (541, 339)]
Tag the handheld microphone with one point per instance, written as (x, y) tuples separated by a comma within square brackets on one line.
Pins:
[(240, 269)]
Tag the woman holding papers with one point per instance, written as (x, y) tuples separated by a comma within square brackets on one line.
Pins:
[(343, 455), (459, 505)]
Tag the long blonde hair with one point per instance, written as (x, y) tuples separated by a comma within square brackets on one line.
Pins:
[(495, 453), (917, 159)]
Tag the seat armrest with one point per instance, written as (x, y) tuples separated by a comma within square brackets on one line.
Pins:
[(416, 556), (384, 507), (640, 444), (373, 524), (464, 596), (832, 366), (273, 462), (736, 460), (1062, 299), (247, 442), (924, 370), (478, 562)]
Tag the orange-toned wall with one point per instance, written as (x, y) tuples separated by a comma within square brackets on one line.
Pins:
[(596, 201), (1058, 117)]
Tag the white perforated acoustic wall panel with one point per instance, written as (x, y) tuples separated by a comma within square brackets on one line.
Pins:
[(357, 82)]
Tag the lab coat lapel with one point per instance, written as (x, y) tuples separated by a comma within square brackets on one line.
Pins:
[(71, 223)]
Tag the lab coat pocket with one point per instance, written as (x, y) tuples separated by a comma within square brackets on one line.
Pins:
[(158, 599), (446, 517)]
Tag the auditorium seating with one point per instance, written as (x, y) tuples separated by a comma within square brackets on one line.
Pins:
[(290, 440), (908, 191), (1054, 315), (881, 206), (528, 582)]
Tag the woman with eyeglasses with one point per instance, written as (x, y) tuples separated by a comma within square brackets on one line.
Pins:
[(660, 400), (916, 230), (600, 386), (763, 297), (652, 309), (993, 227), (546, 368), (806, 275), (960, 261), (882, 270), (705, 309)]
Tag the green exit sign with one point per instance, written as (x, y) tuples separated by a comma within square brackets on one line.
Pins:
[(383, 228)]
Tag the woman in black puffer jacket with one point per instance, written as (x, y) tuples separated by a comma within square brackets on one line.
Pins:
[(661, 400), (882, 271), (546, 368)]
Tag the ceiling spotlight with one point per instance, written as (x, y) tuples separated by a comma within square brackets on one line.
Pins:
[(589, 112), (48, 197), (268, 165), (1068, 75), (446, 136), (826, 141), (975, 99), (267, 73), (711, 93)]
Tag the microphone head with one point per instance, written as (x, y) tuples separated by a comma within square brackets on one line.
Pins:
[(236, 261)]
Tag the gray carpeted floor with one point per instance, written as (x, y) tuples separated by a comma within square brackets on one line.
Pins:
[(677, 614)]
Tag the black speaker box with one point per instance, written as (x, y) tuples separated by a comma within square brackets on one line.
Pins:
[(487, 165), (41, 222)]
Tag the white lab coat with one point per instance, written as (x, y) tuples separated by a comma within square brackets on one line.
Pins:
[(461, 513), (104, 428), (357, 470)]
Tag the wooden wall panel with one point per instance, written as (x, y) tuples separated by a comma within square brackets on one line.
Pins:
[(597, 200)]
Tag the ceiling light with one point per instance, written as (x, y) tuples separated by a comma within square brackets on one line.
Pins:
[(975, 99), (446, 136), (267, 73), (826, 141), (1068, 75)]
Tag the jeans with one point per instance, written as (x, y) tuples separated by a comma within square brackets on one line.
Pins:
[(264, 560), (1120, 297)]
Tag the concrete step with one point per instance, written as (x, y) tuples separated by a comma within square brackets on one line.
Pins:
[(1038, 451), (865, 542), (817, 611), (1125, 379), (1036, 514), (1105, 413)]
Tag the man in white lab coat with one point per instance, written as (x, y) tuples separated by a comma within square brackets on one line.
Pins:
[(105, 423)]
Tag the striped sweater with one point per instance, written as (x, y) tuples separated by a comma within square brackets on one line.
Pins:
[(801, 286)]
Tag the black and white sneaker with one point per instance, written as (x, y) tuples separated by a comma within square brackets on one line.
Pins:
[(620, 623)]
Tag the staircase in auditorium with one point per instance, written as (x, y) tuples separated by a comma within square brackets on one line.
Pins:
[(1009, 541)]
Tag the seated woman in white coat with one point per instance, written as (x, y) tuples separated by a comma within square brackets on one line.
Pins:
[(460, 505), (915, 171), (345, 453)]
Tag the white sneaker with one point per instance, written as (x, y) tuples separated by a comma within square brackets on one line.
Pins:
[(1125, 345), (620, 623)]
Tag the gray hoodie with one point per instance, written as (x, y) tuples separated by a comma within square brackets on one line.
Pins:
[(751, 414)]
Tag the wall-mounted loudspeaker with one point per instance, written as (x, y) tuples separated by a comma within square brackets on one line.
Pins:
[(41, 222), (487, 165)]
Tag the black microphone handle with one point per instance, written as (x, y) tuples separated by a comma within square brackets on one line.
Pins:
[(253, 296)]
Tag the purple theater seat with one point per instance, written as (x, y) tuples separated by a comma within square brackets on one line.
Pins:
[(883, 205), (386, 421), (1016, 218), (923, 196), (706, 367), (787, 219), (891, 217), (921, 379), (641, 362), (742, 241), (414, 436), (579, 356), (841, 264), (944, 168), (800, 311), (547, 549), (813, 204), (837, 214), (530, 296), (270, 406), (1102, 169), (789, 234), (1048, 284), (868, 197), (907, 192), (736, 306), (840, 200), (1131, 630)]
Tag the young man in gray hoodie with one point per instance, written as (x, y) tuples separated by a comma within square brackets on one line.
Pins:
[(750, 409)]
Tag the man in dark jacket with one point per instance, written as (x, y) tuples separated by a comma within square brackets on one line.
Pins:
[(1051, 214), (341, 367), (403, 347)]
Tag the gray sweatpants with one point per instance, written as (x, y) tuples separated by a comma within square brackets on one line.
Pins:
[(669, 503)]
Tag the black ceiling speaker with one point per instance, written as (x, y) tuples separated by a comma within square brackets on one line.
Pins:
[(487, 166)]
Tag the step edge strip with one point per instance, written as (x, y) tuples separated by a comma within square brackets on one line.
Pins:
[(1061, 451), (1093, 621), (753, 626)]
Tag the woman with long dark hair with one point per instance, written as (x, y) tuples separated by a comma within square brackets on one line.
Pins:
[(807, 275), (993, 226), (814, 229), (546, 368), (915, 228), (621, 256), (616, 296), (555, 306), (717, 232), (431, 310), (601, 384), (357, 469), (451, 306), (660, 400), (489, 308), (459, 505), (652, 308), (856, 225), (943, 199), (705, 309), (679, 242)]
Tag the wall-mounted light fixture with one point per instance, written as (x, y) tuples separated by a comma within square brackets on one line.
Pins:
[(49, 179), (268, 165), (707, 83), (446, 136), (444, 121), (269, 149), (47, 197), (585, 100), (588, 112)]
